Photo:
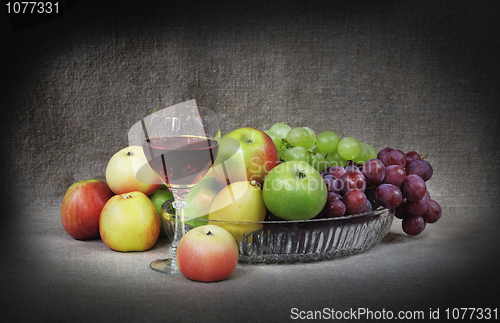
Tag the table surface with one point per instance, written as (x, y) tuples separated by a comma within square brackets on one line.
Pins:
[(46, 274)]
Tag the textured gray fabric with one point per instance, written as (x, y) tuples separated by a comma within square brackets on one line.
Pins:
[(412, 75)]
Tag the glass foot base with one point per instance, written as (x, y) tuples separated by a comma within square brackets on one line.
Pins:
[(166, 266)]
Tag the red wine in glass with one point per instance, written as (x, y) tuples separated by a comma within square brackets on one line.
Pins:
[(180, 160)]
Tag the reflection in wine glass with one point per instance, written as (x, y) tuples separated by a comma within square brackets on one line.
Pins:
[(180, 143)]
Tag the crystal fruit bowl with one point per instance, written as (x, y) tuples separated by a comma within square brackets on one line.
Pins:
[(297, 241)]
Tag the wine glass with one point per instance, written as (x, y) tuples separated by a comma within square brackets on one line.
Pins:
[(180, 143)]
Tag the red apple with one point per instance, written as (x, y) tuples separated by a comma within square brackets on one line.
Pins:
[(129, 222), (81, 208), (128, 170), (245, 154), (208, 253)]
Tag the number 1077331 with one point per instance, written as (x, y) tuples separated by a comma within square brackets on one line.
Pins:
[(32, 7)]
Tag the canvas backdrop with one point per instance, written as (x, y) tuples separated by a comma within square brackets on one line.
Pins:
[(412, 75)]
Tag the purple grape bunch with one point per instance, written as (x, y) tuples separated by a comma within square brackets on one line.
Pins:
[(393, 180)]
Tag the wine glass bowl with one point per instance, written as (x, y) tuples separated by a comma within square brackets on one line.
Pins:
[(180, 161), (180, 143)]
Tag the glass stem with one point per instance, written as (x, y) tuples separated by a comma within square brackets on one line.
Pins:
[(179, 228)]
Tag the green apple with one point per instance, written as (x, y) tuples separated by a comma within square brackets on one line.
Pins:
[(129, 222), (159, 197), (294, 190), (199, 200)]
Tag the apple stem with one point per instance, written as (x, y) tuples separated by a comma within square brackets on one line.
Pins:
[(255, 183), (209, 233), (130, 153), (300, 174)]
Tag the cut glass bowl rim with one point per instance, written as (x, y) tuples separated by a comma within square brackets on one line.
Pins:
[(299, 240), (377, 211)]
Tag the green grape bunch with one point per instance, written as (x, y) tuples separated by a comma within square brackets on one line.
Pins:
[(322, 151)]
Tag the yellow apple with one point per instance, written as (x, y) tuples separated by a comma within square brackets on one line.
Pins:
[(129, 222), (239, 202), (128, 170)]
